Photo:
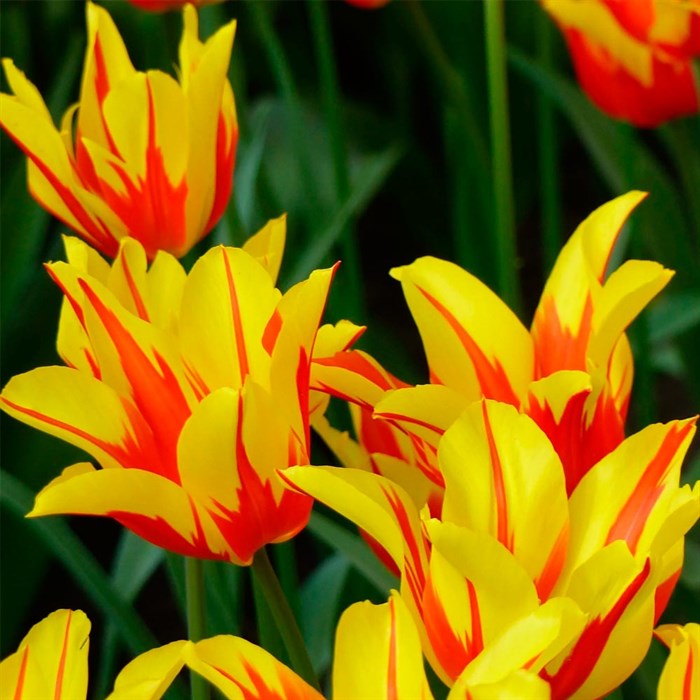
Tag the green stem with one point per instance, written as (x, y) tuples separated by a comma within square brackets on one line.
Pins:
[(196, 618), (501, 172), (330, 91), (547, 141), (283, 616)]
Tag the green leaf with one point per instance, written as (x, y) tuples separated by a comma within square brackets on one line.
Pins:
[(690, 576), (320, 608), (364, 186), (88, 574), (355, 549), (672, 315)]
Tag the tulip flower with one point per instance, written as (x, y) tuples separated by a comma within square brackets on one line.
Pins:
[(633, 58), (52, 662), (190, 391), (152, 157), (164, 5), (368, 4), (516, 575), (680, 677), (572, 372)]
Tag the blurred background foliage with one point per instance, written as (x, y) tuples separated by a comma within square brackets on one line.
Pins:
[(370, 130)]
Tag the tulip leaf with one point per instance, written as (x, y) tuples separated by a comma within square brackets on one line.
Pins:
[(690, 576), (355, 549), (320, 607), (364, 186), (88, 574), (672, 315)]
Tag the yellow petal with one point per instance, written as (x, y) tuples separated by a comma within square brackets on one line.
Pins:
[(336, 338), (149, 675), (502, 477), (51, 661), (267, 245), (244, 671), (680, 677), (473, 342), (378, 653), (518, 685), (151, 506)]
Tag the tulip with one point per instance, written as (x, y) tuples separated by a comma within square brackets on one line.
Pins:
[(680, 677), (516, 575), (164, 5), (152, 157), (52, 662), (190, 391), (633, 58), (572, 372)]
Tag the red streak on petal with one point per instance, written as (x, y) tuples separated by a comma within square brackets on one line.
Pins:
[(633, 516), (492, 378), (225, 157), (504, 534), (237, 321), (93, 230), (555, 563), (155, 389), (690, 665), (62, 660), (414, 572), (135, 293), (357, 363), (22, 673), (663, 595), (398, 418), (302, 383), (556, 347), (161, 533), (132, 453), (272, 331), (584, 655), (392, 672), (102, 88)]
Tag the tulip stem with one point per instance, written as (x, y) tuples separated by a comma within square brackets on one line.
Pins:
[(501, 171), (196, 619), (283, 617)]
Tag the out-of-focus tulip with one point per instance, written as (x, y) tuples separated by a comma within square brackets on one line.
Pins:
[(680, 678), (190, 391), (165, 5), (572, 372), (516, 576), (634, 57), (152, 156), (368, 4)]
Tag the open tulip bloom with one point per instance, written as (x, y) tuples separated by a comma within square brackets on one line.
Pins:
[(515, 575), (189, 391), (152, 157), (571, 372)]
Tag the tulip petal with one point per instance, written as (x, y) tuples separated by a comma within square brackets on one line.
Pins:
[(153, 507), (518, 685), (149, 675), (502, 477), (267, 245), (376, 505), (85, 412), (626, 495), (617, 593), (680, 677), (378, 653), (222, 346), (465, 328), (51, 661), (244, 671), (562, 324)]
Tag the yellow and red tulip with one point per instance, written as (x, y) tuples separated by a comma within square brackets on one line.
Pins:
[(680, 677), (572, 372), (152, 157), (190, 391), (634, 57), (513, 559)]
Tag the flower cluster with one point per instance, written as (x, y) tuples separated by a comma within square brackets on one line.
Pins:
[(536, 543)]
